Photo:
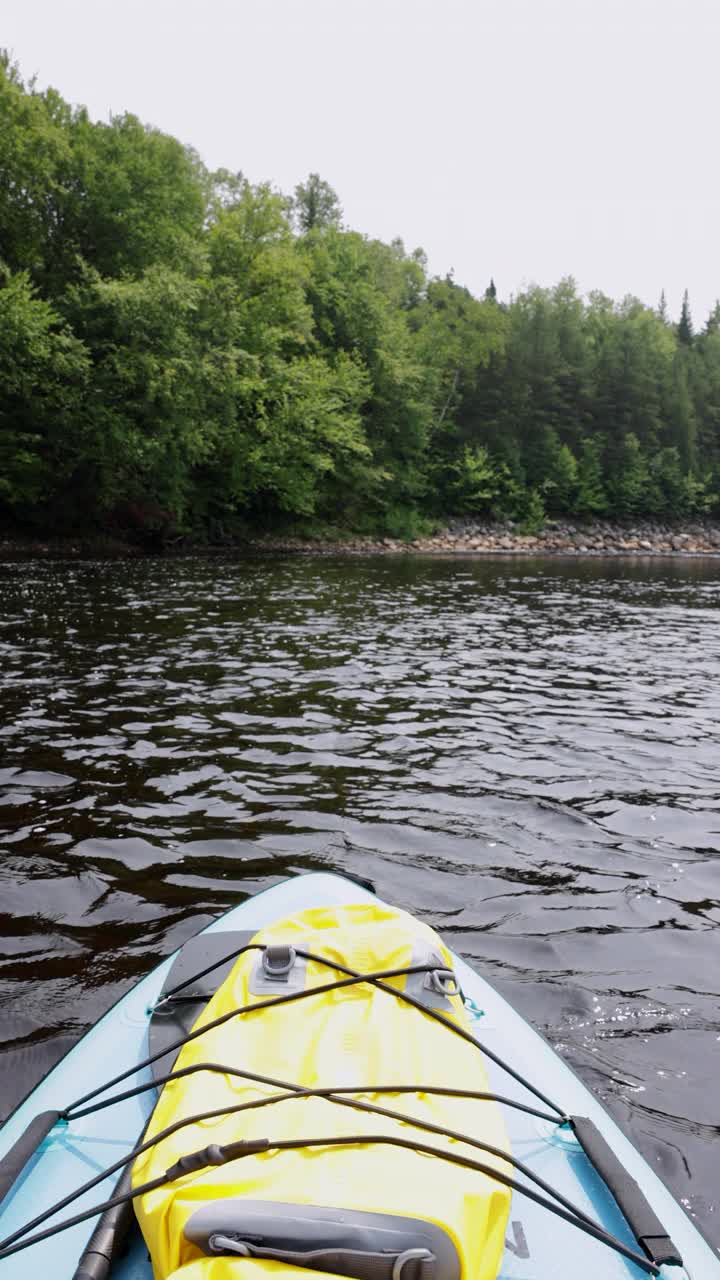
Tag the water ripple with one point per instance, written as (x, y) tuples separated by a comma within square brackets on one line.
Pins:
[(525, 755)]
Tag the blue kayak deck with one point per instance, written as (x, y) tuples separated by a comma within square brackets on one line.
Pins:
[(538, 1245)]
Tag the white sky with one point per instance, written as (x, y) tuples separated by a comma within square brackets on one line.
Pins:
[(524, 139)]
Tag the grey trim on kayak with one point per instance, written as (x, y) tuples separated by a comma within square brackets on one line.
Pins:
[(348, 1242), (174, 1016), (16, 1161), (647, 1227)]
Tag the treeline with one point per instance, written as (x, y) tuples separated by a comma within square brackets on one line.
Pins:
[(181, 351)]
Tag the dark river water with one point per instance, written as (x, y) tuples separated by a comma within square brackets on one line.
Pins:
[(523, 753)]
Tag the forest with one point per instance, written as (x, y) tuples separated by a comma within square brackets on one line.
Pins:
[(184, 353)]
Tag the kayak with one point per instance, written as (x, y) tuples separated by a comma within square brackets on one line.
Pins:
[(475, 1110)]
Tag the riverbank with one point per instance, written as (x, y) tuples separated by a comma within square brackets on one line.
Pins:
[(593, 538), (467, 537)]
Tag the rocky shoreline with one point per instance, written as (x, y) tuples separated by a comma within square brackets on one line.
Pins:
[(595, 538), (465, 537)]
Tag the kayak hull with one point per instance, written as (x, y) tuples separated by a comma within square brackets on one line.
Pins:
[(538, 1246)]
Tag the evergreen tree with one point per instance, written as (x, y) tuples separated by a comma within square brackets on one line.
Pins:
[(565, 480), (685, 329), (662, 309), (591, 499), (474, 482), (668, 481), (713, 320), (534, 513), (629, 482), (491, 292)]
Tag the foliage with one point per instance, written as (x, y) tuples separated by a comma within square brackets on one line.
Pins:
[(474, 481), (629, 482), (184, 350), (44, 372), (534, 517), (316, 205), (591, 498), (685, 326)]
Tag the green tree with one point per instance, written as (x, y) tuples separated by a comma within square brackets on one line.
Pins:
[(145, 401), (473, 483), (456, 337), (630, 481), (134, 198), (35, 155), (685, 327), (293, 435), (713, 321), (592, 498), (565, 482), (669, 491), (534, 513), (316, 205), (216, 351), (44, 374), (681, 418), (354, 286)]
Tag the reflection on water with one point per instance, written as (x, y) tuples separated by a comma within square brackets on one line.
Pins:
[(522, 753)]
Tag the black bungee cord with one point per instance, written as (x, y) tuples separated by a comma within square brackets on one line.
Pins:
[(571, 1213), (353, 978), (292, 1091), (217, 1155)]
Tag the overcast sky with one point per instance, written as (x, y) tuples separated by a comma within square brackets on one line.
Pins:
[(523, 139)]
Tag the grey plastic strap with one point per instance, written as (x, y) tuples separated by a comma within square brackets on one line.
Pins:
[(411, 1264), (407, 1262), (349, 1242)]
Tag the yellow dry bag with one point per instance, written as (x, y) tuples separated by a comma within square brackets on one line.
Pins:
[(352, 1195)]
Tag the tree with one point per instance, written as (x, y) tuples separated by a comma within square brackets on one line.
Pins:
[(353, 288), (629, 482), (293, 433), (457, 335), (44, 374), (134, 198), (316, 205), (685, 328), (668, 482), (35, 155), (713, 321), (591, 497), (682, 422), (218, 351), (474, 481), (534, 514), (146, 403), (565, 480)]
